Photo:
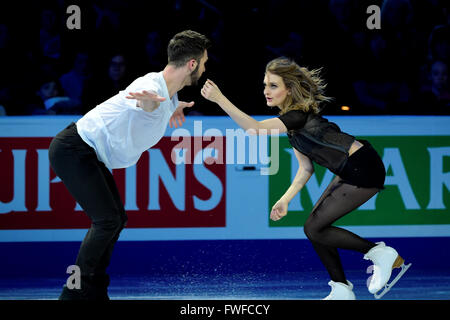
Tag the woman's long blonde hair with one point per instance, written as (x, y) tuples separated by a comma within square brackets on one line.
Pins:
[(306, 86)]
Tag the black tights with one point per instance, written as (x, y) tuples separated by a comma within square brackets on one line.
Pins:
[(337, 200)]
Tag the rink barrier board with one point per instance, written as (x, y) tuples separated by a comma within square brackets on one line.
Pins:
[(209, 200)]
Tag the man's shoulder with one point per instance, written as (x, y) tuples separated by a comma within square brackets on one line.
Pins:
[(149, 81), (153, 76)]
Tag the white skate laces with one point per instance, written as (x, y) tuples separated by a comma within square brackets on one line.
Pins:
[(340, 291), (384, 259)]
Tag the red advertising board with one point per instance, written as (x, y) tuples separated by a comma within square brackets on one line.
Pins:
[(156, 192)]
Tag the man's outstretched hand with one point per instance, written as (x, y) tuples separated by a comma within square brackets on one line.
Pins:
[(147, 100), (178, 115)]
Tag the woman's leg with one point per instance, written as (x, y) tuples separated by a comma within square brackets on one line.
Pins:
[(330, 259), (338, 199)]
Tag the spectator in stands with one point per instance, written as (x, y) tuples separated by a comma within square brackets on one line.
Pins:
[(154, 51), (400, 32), (49, 101), (292, 47), (344, 37), (13, 68), (439, 43), (435, 97), (49, 37), (438, 50), (5, 57), (113, 78), (413, 34), (379, 89), (73, 82)]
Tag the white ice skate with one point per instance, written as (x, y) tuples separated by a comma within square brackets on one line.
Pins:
[(384, 259), (340, 291)]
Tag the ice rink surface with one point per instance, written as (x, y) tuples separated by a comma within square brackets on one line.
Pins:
[(415, 285), (221, 270)]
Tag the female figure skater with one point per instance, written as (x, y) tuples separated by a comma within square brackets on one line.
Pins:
[(114, 135), (360, 173)]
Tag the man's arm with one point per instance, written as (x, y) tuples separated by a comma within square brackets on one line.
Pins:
[(178, 115), (146, 100)]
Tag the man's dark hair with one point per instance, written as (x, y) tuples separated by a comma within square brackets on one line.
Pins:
[(185, 46)]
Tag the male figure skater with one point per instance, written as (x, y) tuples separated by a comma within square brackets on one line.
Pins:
[(114, 135)]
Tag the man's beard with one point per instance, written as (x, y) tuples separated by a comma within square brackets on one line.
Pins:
[(195, 76)]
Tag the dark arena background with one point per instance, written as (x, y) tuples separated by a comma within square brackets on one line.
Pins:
[(201, 231)]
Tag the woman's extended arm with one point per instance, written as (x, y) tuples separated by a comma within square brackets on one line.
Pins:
[(304, 172), (211, 92)]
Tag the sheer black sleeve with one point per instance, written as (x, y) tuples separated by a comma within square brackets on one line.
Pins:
[(294, 119)]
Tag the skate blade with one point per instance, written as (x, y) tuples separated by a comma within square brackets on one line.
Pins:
[(388, 286)]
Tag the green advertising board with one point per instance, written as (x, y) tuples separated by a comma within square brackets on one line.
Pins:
[(416, 188)]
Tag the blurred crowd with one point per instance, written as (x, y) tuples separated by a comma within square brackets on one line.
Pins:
[(401, 68)]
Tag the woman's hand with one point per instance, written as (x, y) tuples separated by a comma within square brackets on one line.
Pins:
[(211, 91), (279, 210), (178, 114)]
